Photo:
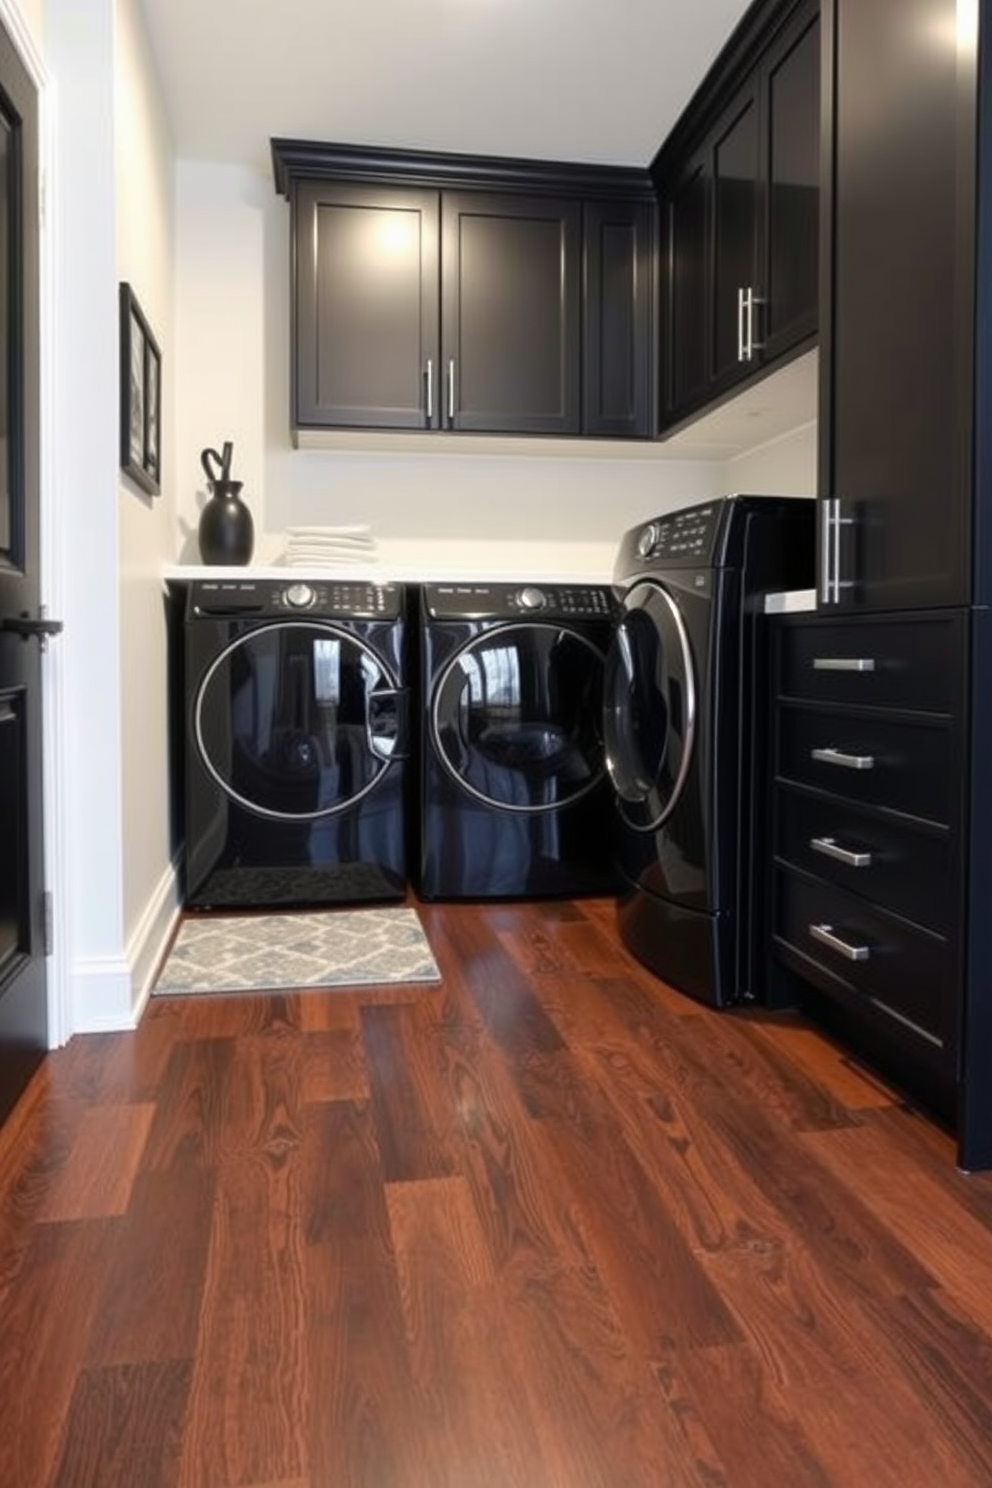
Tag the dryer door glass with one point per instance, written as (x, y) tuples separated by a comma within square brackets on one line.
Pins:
[(516, 717), (650, 707), (296, 720)]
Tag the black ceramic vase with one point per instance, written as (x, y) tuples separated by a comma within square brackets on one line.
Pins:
[(226, 531)]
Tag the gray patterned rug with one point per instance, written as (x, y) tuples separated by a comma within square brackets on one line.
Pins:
[(336, 948)]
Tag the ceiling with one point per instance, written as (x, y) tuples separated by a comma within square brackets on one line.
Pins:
[(600, 81)]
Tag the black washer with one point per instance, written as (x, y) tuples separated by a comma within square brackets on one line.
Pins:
[(296, 739), (515, 800)]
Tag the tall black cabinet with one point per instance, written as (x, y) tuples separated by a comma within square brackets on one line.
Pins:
[(883, 723)]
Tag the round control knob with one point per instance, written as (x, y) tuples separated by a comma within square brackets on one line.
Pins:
[(299, 596), (647, 540), (531, 598)]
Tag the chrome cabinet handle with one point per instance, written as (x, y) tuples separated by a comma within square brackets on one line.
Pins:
[(825, 935), (843, 664), (451, 391), (831, 849), (846, 761), (831, 582), (430, 390), (747, 343)]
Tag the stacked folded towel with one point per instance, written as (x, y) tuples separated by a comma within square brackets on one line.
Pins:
[(308, 547)]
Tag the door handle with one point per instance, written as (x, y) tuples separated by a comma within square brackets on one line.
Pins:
[(25, 627), (430, 391)]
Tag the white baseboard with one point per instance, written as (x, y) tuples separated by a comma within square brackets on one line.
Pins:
[(109, 994)]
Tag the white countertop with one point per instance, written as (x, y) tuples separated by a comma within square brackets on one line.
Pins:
[(790, 601), (384, 573)]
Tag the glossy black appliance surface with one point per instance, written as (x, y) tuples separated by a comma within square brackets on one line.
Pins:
[(686, 733), (296, 722), (515, 800)]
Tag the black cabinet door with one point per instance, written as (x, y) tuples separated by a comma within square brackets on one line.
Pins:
[(366, 307), (790, 287), (897, 346), (686, 307), (735, 285), (510, 313), (617, 315)]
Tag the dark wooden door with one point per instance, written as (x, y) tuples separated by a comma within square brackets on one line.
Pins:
[(617, 318), (510, 313), (23, 996), (898, 344), (366, 310)]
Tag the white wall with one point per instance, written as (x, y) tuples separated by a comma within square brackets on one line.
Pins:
[(144, 180)]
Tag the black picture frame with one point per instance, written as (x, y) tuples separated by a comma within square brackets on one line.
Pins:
[(140, 396)]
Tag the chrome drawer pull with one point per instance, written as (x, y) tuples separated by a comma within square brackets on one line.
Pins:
[(847, 761), (831, 849), (825, 935), (843, 664)]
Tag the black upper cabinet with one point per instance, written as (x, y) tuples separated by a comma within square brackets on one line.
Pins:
[(739, 187), (426, 298), (898, 337)]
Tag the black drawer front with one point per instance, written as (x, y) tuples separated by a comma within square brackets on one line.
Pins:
[(906, 974), (915, 664), (905, 766), (906, 869)]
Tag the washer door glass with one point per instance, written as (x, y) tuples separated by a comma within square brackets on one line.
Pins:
[(650, 707), (516, 717), (297, 720)]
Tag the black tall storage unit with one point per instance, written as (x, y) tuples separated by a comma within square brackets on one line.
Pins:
[(882, 716)]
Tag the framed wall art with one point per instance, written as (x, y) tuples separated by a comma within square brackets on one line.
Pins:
[(141, 396)]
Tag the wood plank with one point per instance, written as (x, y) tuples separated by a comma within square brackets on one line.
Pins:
[(124, 1427), (150, 1307), (361, 1420), (99, 1171), (412, 1123), (46, 1321), (472, 1409)]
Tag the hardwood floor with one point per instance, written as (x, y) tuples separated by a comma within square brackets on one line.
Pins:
[(546, 1225)]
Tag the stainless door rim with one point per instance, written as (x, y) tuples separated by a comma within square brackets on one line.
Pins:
[(435, 725), (336, 631), (658, 589)]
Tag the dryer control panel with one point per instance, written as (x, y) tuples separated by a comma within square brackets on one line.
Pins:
[(531, 601), (684, 535)]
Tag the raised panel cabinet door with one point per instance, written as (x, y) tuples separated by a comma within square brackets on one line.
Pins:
[(737, 290), (792, 142), (618, 309), (685, 312), (898, 356), (23, 991), (510, 314), (366, 307)]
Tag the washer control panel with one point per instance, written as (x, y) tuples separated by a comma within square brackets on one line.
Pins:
[(683, 535), (518, 601), (330, 599)]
